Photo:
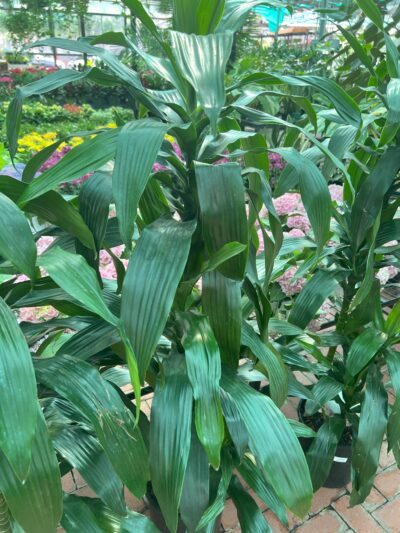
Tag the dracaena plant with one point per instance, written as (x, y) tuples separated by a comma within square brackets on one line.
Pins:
[(188, 185), (354, 355)]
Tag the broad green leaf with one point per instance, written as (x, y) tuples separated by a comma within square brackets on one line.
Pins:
[(202, 60), (51, 207), (235, 425), (90, 515), (236, 12), (274, 444), (90, 340), (254, 478), (221, 299), (250, 516), (153, 275), (359, 49), (94, 202), (113, 422), (197, 482), (392, 57), (35, 504), (203, 363), (340, 142), (222, 205), (325, 389), (363, 350), (74, 275), (184, 15), (368, 201), (138, 145), (314, 193), (83, 452), (170, 434), (393, 431), (18, 405), (16, 242), (368, 441), (46, 84), (393, 101), (312, 296), (371, 10), (209, 13), (392, 326), (393, 362), (322, 450), (84, 158), (271, 360)]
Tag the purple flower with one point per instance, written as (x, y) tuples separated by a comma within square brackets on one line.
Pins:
[(13, 172), (288, 286), (299, 222), (287, 203), (336, 192)]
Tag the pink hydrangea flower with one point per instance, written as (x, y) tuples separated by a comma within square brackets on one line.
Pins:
[(299, 222), (336, 192), (387, 273), (295, 232), (287, 203), (43, 243), (37, 314), (288, 286), (275, 161)]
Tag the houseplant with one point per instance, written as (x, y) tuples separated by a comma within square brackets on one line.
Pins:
[(349, 401)]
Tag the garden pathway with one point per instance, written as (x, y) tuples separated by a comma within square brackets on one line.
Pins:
[(330, 512)]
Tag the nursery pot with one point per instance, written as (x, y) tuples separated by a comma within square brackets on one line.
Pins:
[(157, 517), (340, 473)]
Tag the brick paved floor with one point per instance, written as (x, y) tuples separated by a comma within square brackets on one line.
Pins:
[(330, 513)]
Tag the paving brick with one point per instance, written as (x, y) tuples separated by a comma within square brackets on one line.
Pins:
[(275, 524), (325, 522), (374, 500), (389, 516), (289, 410), (80, 482), (68, 483), (356, 517), (386, 459), (134, 503), (324, 497), (388, 482), (87, 492), (229, 516), (258, 501)]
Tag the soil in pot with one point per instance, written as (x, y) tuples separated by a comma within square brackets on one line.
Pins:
[(340, 472), (157, 517)]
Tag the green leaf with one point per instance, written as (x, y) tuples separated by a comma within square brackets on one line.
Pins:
[(184, 15), (90, 340), (250, 516), (312, 296), (74, 275), (236, 12), (112, 421), (271, 360), (339, 144), (83, 452), (36, 504), (392, 57), (274, 444), (221, 299), (393, 431), (222, 205), (363, 350), (371, 10), (202, 60), (208, 15), (235, 425), (17, 244), (90, 515), (204, 370), (392, 326), (368, 441), (138, 145), (170, 433), (18, 405), (368, 201), (94, 202), (322, 450), (325, 389), (314, 193), (254, 478), (83, 159), (359, 49), (197, 481), (393, 101), (46, 84), (153, 275), (51, 207)]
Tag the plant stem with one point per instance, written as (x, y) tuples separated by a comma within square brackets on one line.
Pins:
[(5, 526)]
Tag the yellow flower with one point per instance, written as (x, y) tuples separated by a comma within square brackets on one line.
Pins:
[(169, 138)]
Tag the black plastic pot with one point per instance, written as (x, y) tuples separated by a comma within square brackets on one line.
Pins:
[(340, 473), (157, 517)]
